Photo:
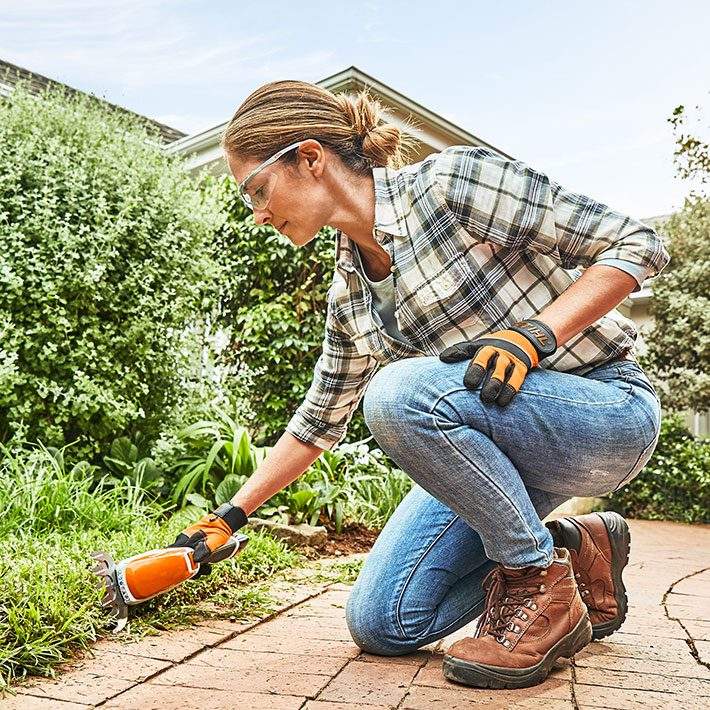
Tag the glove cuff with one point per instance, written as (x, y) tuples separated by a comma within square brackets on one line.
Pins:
[(233, 515), (539, 334)]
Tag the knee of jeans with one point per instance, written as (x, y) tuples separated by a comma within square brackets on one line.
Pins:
[(373, 626)]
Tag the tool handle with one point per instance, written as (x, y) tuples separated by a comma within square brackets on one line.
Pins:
[(235, 544)]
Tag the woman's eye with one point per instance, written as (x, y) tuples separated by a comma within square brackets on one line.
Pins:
[(259, 192)]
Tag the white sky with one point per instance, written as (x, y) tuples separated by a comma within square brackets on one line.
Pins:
[(579, 90)]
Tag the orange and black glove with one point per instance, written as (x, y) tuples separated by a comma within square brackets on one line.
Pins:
[(210, 532), (503, 358)]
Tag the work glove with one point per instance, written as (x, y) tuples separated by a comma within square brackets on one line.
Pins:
[(210, 532), (503, 357)]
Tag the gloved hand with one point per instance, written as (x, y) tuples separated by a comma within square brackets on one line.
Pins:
[(509, 353), (211, 531)]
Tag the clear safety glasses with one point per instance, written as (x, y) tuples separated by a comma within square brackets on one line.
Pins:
[(258, 194)]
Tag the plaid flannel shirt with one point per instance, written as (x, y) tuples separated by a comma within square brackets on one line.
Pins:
[(477, 242)]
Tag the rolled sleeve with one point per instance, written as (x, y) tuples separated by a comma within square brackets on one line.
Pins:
[(508, 203), (339, 381)]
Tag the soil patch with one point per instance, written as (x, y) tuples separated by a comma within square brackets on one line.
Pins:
[(352, 538)]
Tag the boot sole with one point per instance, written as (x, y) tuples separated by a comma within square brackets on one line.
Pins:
[(481, 675), (620, 540)]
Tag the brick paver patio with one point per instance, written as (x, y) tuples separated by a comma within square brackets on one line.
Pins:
[(303, 656)]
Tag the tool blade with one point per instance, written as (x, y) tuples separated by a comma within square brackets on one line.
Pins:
[(105, 571)]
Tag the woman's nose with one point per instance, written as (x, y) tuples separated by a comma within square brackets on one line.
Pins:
[(262, 217)]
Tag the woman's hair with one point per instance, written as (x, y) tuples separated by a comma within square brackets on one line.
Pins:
[(284, 112)]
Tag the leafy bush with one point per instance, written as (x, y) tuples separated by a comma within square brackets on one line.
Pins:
[(675, 484), (104, 262)]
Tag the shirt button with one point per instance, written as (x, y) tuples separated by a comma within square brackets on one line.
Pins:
[(393, 269)]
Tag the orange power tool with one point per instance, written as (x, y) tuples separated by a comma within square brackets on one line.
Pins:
[(136, 579)]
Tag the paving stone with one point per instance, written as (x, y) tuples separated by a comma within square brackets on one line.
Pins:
[(689, 669), (192, 675), (253, 660), (698, 630), (674, 646), (657, 629), (168, 646), (373, 683), (288, 594), (431, 674), (460, 697), (219, 625), (340, 587), (30, 702), (594, 696), (418, 658), (113, 664), (304, 656), (86, 689), (643, 681), (254, 641), (631, 651), (695, 586), (326, 705), (332, 617), (703, 649), (695, 612), (306, 628), (150, 696)]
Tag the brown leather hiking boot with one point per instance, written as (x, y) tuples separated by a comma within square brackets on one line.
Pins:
[(599, 547), (533, 616)]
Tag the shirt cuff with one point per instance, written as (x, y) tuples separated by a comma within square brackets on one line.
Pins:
[(640, 273), (300, 427)]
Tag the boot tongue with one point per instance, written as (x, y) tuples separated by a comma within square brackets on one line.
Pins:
[(511, 575)]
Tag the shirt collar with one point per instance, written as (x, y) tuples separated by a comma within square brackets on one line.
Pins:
[(390, 214)]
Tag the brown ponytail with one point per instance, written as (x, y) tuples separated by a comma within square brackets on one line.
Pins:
[(284, 112)]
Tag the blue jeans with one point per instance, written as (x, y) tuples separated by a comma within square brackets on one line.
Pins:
[(486, 476)]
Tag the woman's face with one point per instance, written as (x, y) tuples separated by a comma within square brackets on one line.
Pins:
[(299, 204)]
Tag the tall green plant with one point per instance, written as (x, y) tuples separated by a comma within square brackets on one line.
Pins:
[(218, 461), (104, 263)]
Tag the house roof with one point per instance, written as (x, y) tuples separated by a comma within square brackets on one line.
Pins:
[(432, 131), (353, 80), (11, 74)]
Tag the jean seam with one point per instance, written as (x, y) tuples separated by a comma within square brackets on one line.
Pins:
[(628, 476), (574, 401), (490, 480), (413, 570)]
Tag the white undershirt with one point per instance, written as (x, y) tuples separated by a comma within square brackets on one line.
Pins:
[(383, 301)]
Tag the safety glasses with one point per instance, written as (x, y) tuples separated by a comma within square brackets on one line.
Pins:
[(259, 194)]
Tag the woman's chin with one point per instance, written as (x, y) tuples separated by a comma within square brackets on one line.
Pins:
[(298, 238)]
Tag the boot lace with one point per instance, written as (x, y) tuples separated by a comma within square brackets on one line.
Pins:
[(508, 599)]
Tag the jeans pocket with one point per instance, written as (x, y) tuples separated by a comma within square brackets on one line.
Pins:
[(642, 460)]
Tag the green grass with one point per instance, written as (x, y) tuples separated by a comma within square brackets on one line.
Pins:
[(50, 522), (53, 517)]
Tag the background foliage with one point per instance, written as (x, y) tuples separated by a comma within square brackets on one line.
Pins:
[(103, 266), (272, 305), (675, 483), (679, 343)]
